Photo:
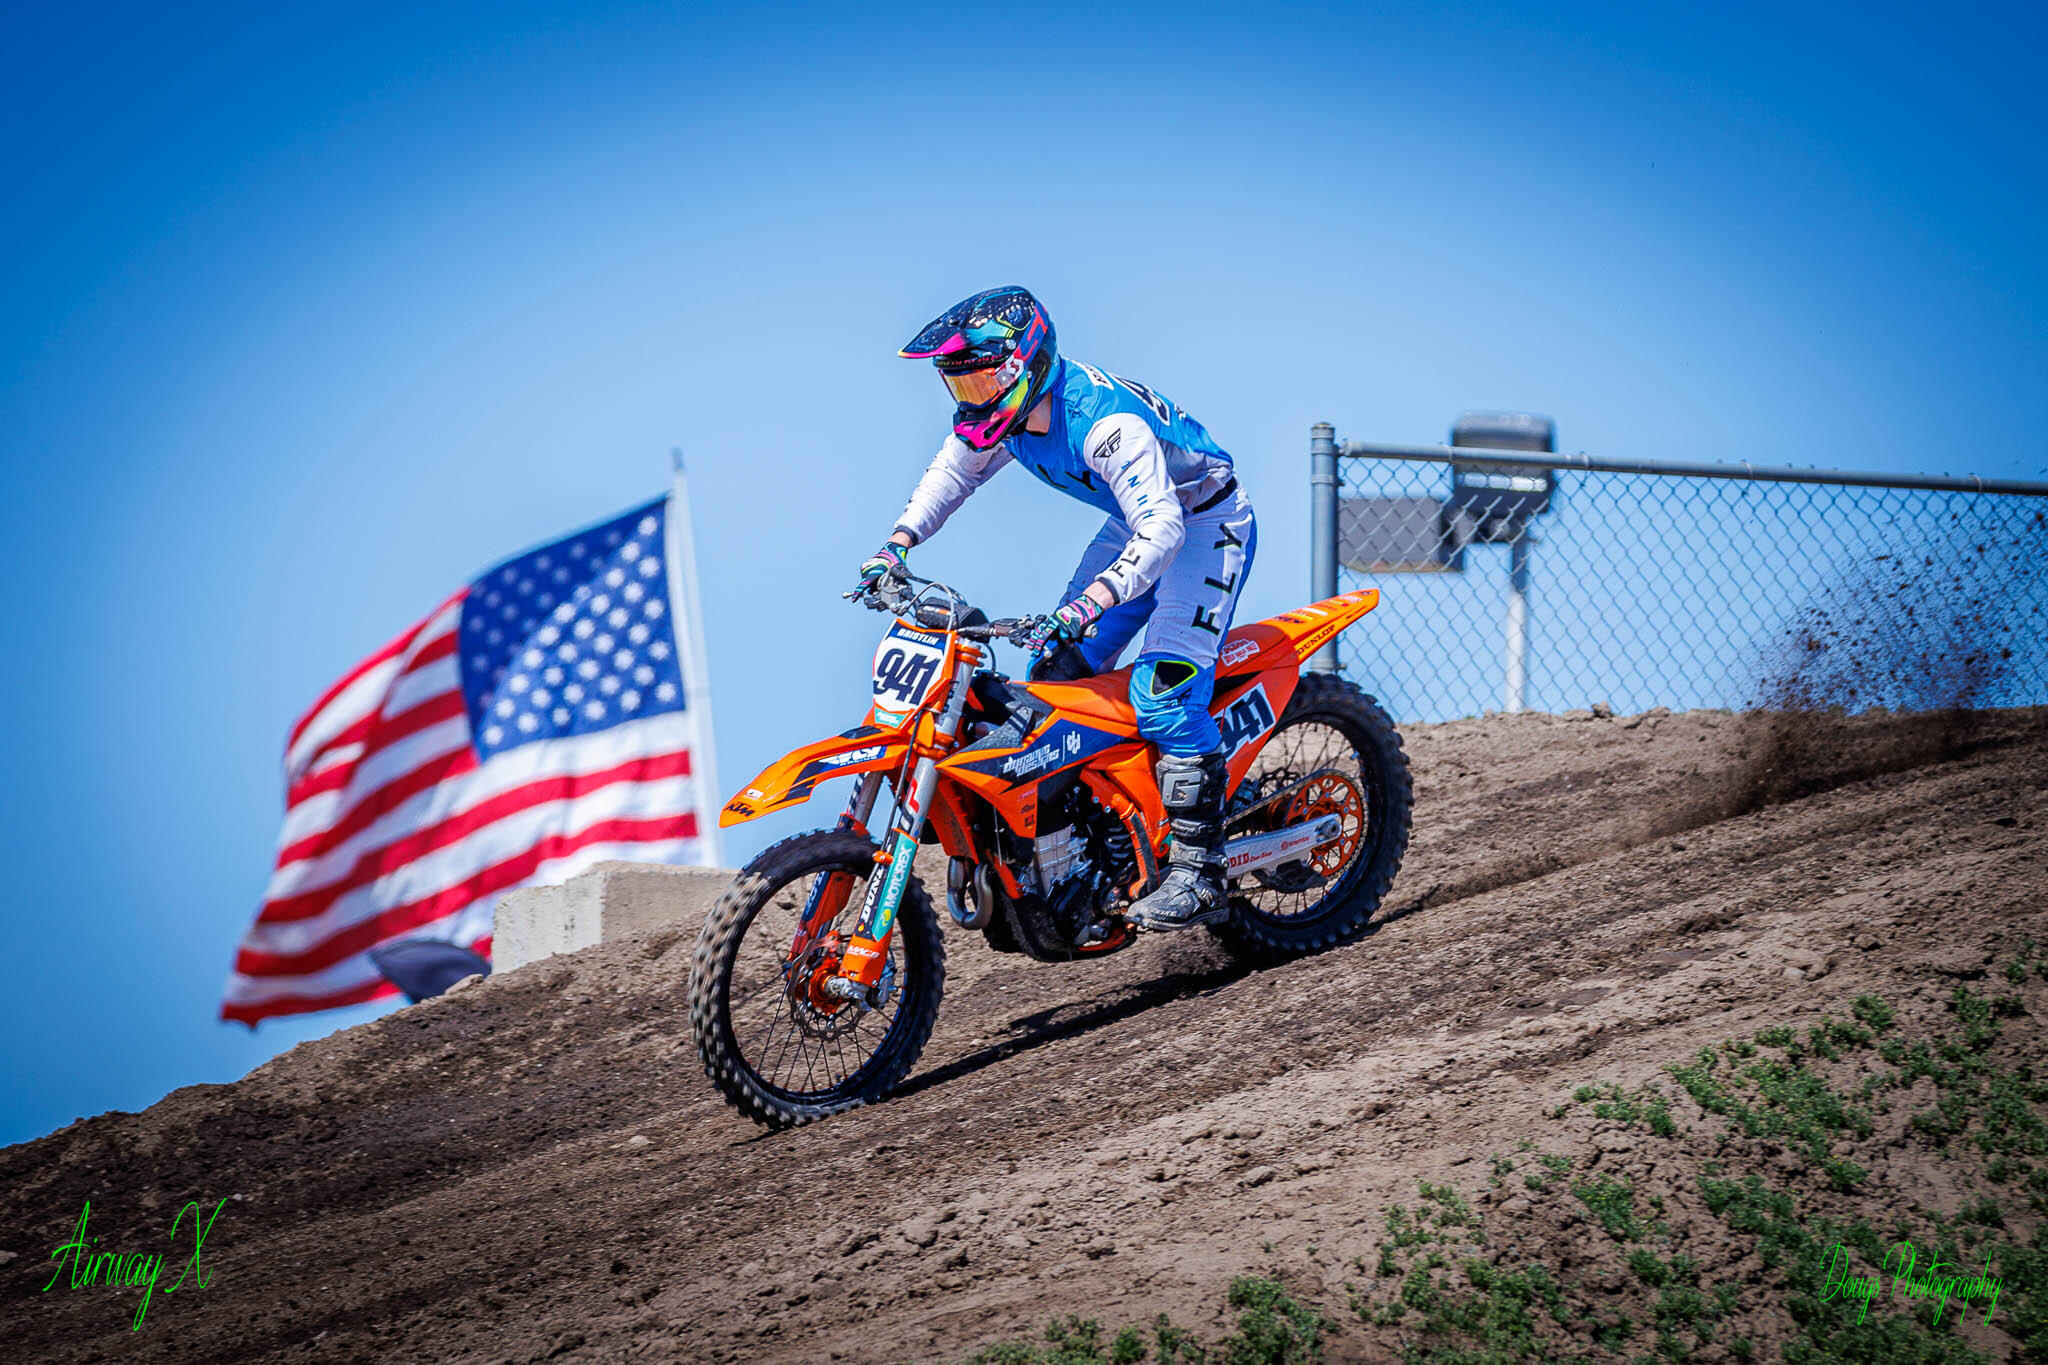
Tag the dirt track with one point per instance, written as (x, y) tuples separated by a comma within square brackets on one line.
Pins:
[(1584, 898)]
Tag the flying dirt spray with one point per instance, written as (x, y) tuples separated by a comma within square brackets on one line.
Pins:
[(1892, 665)]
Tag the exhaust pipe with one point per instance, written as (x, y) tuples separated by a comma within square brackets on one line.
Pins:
[(970, 894)]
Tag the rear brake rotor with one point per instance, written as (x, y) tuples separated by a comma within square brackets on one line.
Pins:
[(1324, 793), (1331, 794)]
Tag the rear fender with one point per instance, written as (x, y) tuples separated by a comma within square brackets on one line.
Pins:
[(788, 781), (1292, 637), (1311, 627)]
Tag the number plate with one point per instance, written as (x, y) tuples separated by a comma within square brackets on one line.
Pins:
[(907, 665)]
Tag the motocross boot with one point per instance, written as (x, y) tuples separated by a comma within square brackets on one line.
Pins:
[(1192, 891)]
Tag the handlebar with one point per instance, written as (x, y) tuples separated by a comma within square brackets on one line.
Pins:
[(995, 630), (892, 593)]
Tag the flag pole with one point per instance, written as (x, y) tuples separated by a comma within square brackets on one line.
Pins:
[(682, 568)]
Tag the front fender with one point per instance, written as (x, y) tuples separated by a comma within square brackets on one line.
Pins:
[(789, 779)]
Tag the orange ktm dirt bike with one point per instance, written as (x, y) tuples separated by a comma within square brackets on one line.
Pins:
[(817, 978)]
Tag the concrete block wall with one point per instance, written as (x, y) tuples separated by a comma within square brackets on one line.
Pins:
[(607, 902)]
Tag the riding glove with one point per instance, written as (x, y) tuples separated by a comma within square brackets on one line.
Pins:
[(891, 560), (1071, 622)]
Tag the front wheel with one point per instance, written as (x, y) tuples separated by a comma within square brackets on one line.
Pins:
[(1335, 752), (782, 1048)]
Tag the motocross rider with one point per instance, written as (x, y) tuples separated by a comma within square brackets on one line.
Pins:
[(1172, 557)]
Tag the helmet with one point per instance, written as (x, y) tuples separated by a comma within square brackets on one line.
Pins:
[(995, 352)]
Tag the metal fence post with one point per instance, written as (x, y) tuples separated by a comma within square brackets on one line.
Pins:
[(1518, 625), (1322, 532)]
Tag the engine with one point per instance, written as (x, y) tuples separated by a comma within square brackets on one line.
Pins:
[(1080, 837), (1081, 862), (1059, 857)]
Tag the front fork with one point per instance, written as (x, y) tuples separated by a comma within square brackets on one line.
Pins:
[(867, 955), (829, 892)]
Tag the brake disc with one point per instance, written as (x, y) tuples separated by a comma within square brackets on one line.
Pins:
[(812, 1007), (1324, 792)]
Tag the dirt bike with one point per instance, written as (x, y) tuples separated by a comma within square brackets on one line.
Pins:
[(817, 976)]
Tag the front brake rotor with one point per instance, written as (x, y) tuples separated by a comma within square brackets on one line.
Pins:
[(813, 1007)]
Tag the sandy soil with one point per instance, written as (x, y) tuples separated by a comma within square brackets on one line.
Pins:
[(535, 1168)]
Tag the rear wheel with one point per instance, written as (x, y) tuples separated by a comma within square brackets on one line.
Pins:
[(1335, 752), (782, 1048)]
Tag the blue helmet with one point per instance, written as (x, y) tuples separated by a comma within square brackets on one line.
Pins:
[(996, 353)]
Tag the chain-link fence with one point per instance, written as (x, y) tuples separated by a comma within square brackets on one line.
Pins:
[(1515, 581)]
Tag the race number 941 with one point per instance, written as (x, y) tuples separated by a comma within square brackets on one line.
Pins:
[(906, 665)]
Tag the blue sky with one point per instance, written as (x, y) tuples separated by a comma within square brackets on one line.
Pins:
[(307, 319)]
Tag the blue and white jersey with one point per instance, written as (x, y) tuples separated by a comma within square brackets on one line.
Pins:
[(1114, 444)]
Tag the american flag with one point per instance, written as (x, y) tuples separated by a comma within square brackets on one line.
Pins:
[(546, 717)]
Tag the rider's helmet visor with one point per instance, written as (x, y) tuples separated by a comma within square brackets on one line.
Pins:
[(980, 387)]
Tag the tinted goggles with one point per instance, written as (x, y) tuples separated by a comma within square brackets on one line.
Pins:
[(979, 388)]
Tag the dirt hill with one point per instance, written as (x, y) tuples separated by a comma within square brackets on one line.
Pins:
[(535, 1168)]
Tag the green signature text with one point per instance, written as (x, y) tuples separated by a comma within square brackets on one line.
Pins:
[(131, 1269), (1939, 1281)]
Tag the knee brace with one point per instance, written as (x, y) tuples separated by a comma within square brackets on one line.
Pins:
[(1171, 696)]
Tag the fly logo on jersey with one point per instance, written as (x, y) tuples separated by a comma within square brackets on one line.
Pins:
[(1160, 407), (1102, 379), (1250, 716)]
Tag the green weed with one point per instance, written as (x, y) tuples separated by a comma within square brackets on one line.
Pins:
[(1646, 1106), (1272, 1329), (1612, 1204), (1813, 1093)]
